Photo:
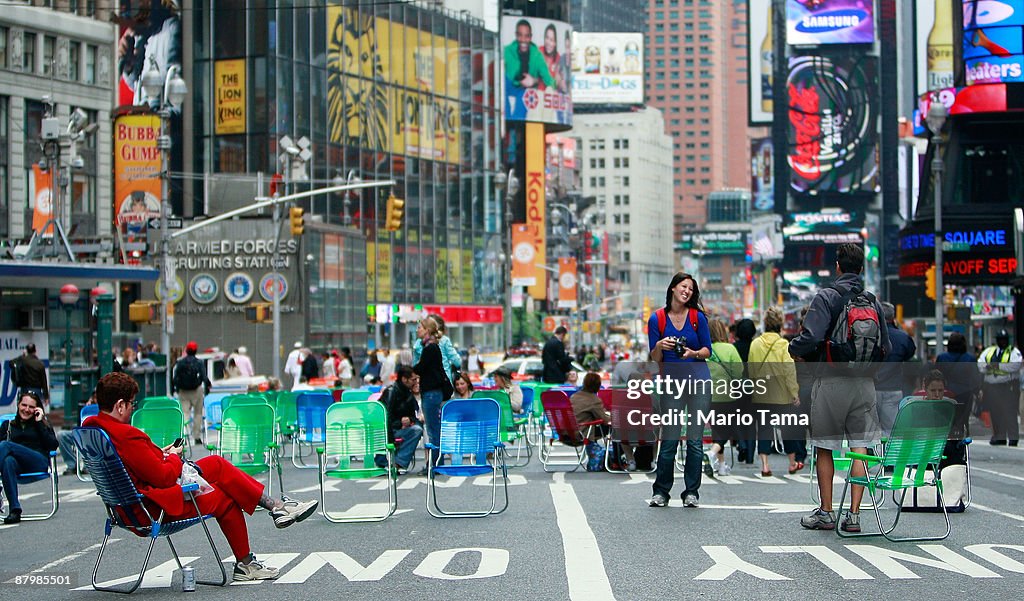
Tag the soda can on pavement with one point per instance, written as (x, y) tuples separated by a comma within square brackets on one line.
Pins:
[(188, 579)]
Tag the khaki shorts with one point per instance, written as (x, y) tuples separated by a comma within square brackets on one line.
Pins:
[(843, 413)]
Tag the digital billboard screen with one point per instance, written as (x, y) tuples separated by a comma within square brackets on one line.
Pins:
[(537, 59), (762, 176), (813, 22), (608, 68), (993, 41), (760, 52), (832, 130)]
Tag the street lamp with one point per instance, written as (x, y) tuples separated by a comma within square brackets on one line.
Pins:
[(294, 154), (68, 298), (164, 93), (936, 119), (510, 184)]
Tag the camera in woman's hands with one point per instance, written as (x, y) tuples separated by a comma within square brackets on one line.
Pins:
[(680, 346)]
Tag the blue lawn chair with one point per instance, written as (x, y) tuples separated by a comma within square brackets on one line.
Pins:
[(469, 429), (30, 477), (125, 508), (311, 424)]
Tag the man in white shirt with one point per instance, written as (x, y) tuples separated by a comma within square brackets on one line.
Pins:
[(293, 365)]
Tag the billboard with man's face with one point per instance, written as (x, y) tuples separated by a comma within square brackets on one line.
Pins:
[(537, 61), (608, 68)]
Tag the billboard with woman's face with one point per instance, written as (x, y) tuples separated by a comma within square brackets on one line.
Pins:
[(537, 60)]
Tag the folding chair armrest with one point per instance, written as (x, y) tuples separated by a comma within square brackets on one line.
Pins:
[(390, 447), (863, 457), (320, 450), (520, 421), (499, 444), (272, 445), (190, 487), (211, 447), (53, 453), (595, 422), (884, 440), (431, 446)]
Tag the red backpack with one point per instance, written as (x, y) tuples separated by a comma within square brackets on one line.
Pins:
[(662, 318)]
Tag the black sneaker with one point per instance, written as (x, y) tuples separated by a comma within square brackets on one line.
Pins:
[(14, 517)]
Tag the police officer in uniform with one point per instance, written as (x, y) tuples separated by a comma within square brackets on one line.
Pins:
[(1001, 365)]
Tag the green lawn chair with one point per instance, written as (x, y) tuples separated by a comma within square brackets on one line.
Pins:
[(357, 429), (536, 423), (914, 447), (158, 401), (287, 412), (162, 424), (243, 399), (512, 431), (248, 439), (356, 395)]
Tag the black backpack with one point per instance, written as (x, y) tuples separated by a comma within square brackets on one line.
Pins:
[(188, 374)]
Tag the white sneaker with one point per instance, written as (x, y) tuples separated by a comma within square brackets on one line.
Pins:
[(724, 469), (293, 511), (714, 463), (254, 570)]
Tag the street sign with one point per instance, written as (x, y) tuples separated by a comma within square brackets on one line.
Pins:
[(172, 224)]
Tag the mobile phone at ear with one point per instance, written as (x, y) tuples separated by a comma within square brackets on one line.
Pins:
[(180, 442)]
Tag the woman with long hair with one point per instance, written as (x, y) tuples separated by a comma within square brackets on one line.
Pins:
[(680, 341), (25, 442), (463, 387), (434, 383)]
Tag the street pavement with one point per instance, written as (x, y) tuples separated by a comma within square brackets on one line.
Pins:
[(586, 536)]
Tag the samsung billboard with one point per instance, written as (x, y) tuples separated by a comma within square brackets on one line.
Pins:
[(537, 60), (608, 68), (813, 22)]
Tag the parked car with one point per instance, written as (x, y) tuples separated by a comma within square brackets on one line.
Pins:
[(531, 368)]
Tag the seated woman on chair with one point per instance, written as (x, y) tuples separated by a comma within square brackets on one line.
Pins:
[(955, 452), (155, 472), (27, 442)]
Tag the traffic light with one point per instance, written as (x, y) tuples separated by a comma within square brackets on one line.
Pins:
[(647, 308), (929, 283), (144, 312), (259, 312), (296, 220), (393, 214)]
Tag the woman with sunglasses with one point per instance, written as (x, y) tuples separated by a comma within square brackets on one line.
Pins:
[(25, 444)]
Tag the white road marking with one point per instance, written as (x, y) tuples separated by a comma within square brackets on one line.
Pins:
[(158, 577), (1011, 516), (727, 563), (493, 563), (889, 561), (989, 553), (584, 565), (73, 556), (351, 569), (995, 473), (826, 557)]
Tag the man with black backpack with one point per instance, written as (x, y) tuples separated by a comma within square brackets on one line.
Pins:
[(191, 383), (844, 332)]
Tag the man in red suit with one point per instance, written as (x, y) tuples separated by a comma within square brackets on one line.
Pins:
[(155, 472)]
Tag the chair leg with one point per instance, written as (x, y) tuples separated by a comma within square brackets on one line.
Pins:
[(54, 479), (142, 571)]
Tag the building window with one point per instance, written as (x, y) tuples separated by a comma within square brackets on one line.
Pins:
[(3, 47), (90, 64), (4, 194), (73, 58), (625, 180), (49, 48), (28, 53)]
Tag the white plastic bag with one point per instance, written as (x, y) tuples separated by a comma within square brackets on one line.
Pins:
[(190, 475)]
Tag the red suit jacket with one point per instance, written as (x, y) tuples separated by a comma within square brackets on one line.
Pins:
[(155, 476)]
